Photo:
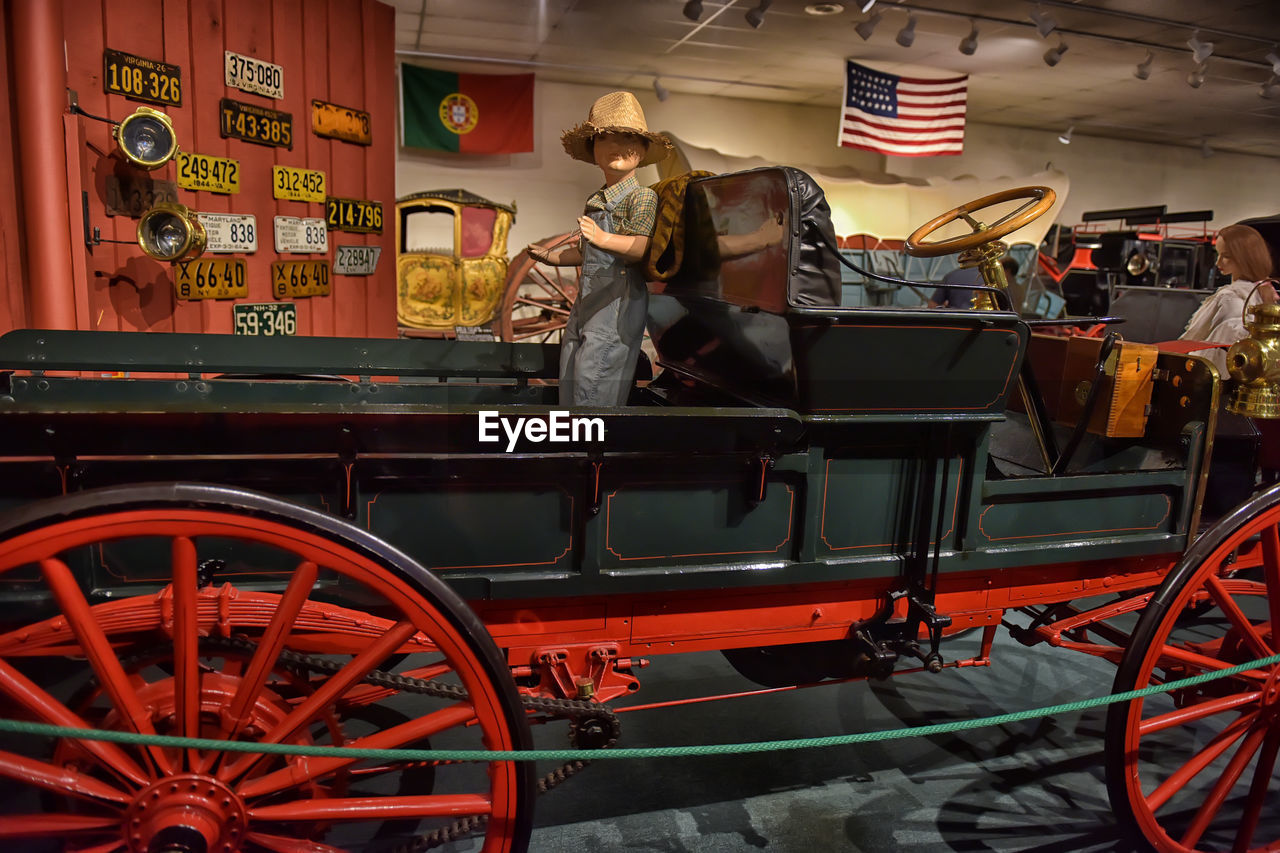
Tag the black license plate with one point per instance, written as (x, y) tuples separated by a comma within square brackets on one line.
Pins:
[(256, 124), (141, 79), (353, 214)]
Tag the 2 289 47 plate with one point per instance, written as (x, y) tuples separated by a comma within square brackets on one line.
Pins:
[(291, 279), (353, 214), (256, 124), (210, 278)]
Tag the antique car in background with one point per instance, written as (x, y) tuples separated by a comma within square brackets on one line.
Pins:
[(453, 277)]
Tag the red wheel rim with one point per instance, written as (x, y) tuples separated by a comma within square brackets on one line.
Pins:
[(277, 803), (1198, 765)]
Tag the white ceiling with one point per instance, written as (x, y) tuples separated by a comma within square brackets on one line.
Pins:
[(798, 57)]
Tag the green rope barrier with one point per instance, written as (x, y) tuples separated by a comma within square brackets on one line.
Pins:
[(46, 730)]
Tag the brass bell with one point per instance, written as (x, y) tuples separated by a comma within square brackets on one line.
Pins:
[(1254, 363)]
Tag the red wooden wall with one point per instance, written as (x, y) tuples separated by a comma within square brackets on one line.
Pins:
[(339, 51)]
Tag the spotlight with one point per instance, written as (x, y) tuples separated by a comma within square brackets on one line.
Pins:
[(1196, 78), (1205, 151), (1065, 138), (755, 17), (969, 44), (867, 27), (907, 34), (1143, 71), (1200, 50), (1044, 22), (171, 232), (866, 7), (1053, 55), (693, 10), (660, 90), (1268, 89), (146, 138), (1274, 58)]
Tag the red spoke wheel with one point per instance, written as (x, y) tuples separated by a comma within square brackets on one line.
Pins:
[(1194, 770), (287, 642), (536, 302)]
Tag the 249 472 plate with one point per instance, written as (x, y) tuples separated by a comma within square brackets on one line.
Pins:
[(290, 279), (253, 123), (202, 172), (210, 278)]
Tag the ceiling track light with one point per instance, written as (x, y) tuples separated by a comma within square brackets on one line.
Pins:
[(1274, 58), (866, 7), (1044, 22), (1053, 55), (693, 10), (1200, 50), (1143, 71), (755, 16), (907, 34), (969, 44), (1065, 138), (1196, 78), (660, 90), (867, 27)]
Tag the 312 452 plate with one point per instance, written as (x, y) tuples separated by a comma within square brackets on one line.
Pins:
[(210, 278), (291, 279), (293, 184)]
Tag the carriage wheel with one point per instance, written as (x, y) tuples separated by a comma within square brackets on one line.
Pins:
[(242, 656), (537, 298), (1193, 770)]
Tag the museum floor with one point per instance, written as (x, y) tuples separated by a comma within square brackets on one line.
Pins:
[(1035, 785)]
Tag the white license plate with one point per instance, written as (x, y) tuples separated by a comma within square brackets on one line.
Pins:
[(230, 232), (266, 318), (301, 236), (253, 75), (356, 260)]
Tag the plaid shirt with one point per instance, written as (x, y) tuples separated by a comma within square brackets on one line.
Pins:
[(638, 211)]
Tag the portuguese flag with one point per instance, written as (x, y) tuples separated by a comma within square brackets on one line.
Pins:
[(467, 113)]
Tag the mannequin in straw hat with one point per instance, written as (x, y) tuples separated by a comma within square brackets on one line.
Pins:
[(601, 341)]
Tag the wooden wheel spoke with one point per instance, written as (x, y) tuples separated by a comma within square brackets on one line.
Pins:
[(1204, 663), (413, 731), (1209, 808), (1223, 598), (334, 686), (1257, 791), (555, 309), (1198, 711), (60, 780), (377, 808), (1198, 762)]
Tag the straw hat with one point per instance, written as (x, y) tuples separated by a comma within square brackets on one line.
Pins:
[(616, 112)]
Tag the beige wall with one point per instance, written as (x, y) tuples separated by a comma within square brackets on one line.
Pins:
[(549, 187)]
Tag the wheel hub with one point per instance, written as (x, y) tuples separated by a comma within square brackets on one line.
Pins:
[(188, 813)]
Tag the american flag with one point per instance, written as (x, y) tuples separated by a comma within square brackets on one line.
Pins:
[(902, 116)]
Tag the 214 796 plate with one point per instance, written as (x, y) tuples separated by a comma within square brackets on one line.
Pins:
[(353, 214)]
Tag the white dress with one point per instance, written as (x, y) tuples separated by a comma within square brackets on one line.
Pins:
[(1218, 320)]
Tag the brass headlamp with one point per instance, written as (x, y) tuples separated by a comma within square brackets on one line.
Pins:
[(146, 138), (1254, 363), (171, 232)]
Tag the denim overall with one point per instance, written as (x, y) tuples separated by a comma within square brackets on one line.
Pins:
[(601, 341)]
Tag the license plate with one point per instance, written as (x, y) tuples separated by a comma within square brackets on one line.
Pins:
[(299, 278), (338, 122), (141, 79), (352, 214), (293, 184), (230, 232), (202, 172), (301, 236), (253, 75), (356, 260), (133, 195), (253, 123), (266, 318), (210, 278)]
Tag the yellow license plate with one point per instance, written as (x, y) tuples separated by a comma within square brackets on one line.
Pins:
[(210, 278), (351, 214), (202, 172), (141, 79), (253, 123), (338, 122), (293, 184), (299, 278)]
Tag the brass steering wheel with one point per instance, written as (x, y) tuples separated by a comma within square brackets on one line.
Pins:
[(1039, 200)]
